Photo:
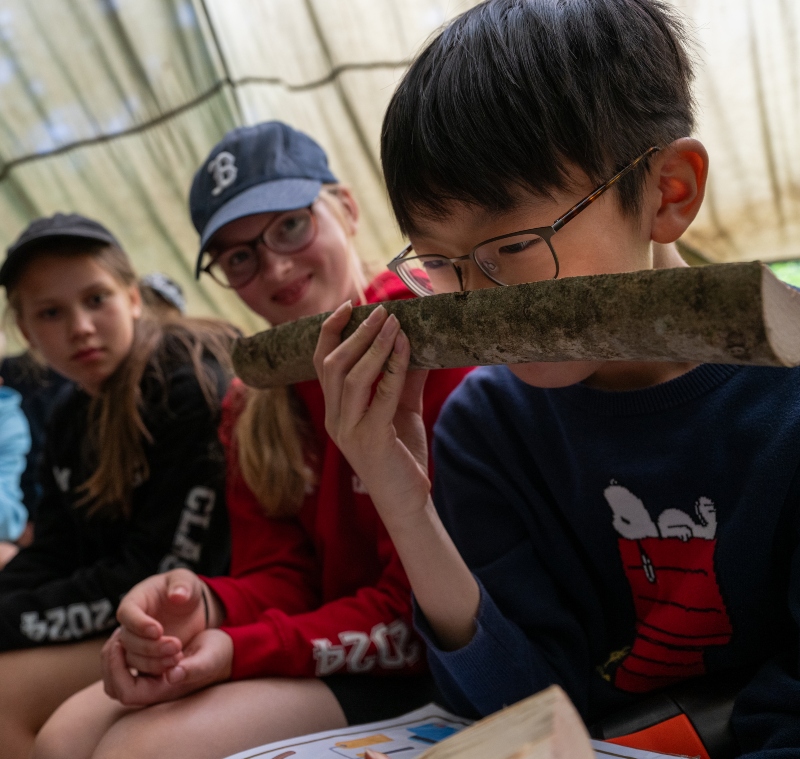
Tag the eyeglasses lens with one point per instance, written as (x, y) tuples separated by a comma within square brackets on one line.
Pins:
[(428, 275), (290, 232), (516, 260), (235, 268), (509, 261)]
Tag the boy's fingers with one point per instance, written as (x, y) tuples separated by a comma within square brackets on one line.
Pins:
[(338, 363), (387, 397), (358, 383), (330, 335), (411, 398)]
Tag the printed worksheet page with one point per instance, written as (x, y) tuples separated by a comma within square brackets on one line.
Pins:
[(404, 737)]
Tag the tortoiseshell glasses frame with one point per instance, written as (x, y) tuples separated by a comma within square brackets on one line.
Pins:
[(431, 274)]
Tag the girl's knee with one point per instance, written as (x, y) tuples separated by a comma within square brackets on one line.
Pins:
[(77, 727), (52, 744), (123, 743)]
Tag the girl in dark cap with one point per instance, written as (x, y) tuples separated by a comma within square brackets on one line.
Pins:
[(134, 475)]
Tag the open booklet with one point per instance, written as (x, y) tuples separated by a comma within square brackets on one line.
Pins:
[(406, 737)]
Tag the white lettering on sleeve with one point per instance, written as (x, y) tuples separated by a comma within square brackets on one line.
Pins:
[(394, 644)]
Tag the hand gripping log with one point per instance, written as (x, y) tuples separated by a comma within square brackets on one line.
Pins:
[(725, 313)]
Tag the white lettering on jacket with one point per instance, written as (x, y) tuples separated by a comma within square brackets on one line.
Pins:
[(394, 646), (61, 476), (187, 545), (73, 622)]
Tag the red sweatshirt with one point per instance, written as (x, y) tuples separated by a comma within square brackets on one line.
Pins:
[(323, 592)]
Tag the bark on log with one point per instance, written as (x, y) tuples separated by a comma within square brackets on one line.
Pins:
[(725, 313)]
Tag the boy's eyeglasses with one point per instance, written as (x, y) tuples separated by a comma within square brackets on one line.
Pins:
[(284, 235), (511, 259)]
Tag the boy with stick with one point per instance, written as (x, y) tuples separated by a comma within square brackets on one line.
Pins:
[(613, 527)]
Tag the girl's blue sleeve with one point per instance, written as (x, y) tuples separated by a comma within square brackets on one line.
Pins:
[(15, 442)]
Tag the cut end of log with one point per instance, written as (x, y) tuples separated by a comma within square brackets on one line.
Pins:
[(781, 318)]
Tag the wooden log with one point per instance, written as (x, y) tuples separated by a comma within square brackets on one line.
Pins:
[(725, 313)]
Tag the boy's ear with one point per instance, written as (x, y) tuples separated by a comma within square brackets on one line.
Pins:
[(680, 173)]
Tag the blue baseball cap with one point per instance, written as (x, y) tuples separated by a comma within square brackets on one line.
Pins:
[(258, 169)]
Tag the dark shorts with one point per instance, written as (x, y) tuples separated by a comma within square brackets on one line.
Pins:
[(366, 698)]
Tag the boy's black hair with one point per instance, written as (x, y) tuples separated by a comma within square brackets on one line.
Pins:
[(513, 92)]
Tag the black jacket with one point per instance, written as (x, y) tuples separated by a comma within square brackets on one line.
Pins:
[(66, 586)]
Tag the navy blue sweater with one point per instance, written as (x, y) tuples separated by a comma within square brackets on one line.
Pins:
[(625, 541)]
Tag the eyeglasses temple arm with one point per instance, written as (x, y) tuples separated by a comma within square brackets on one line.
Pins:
[(587, 201)]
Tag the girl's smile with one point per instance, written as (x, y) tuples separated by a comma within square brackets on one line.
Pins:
[(293, 292)]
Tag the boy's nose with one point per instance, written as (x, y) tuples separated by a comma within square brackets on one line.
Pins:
[(472, 277)]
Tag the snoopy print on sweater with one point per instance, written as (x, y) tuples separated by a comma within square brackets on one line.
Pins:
[(680, 612)]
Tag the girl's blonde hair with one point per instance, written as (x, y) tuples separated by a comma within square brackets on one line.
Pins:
[(273, 437), (117, 433)]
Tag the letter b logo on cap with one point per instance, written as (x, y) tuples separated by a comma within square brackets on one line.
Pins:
[(223, 169)]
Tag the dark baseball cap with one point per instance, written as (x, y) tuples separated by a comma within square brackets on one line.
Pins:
[(258, 169), (58, 226)]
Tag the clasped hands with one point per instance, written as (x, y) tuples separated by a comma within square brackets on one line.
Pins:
[(166, 646)]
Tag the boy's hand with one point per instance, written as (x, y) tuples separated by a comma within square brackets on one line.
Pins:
[(207, 659), (382, 438), (159, 616)]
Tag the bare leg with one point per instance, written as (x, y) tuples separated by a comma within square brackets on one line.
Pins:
[(78, 725), (34, 682), (217, 721)]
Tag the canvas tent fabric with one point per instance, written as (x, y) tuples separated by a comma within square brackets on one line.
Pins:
[(108, 106)]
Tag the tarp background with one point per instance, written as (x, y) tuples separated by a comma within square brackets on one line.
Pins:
[(108, 106)]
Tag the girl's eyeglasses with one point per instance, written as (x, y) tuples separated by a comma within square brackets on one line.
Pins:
[(287, 234), (510, 259)]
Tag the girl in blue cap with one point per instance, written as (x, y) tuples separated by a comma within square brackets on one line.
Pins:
[(313, 628)]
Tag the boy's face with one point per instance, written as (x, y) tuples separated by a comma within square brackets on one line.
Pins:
[(601, 240)]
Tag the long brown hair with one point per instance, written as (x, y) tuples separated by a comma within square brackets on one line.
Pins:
[(274, 441), (117, 433)]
